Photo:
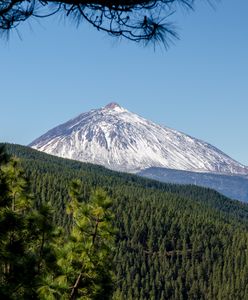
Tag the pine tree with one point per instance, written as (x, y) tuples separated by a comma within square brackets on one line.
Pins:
[(85, 256), (25, 235)]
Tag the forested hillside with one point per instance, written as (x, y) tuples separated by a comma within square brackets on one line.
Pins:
[(173, 242), (232, 186)]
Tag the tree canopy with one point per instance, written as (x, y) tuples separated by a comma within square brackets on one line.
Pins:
[(39, 260), (137, 20), (172, 242)]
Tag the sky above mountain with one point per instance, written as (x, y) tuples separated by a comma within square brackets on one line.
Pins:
[(199, 86)]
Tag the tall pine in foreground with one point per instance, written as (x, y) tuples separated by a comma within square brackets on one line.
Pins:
[(85, 256), (39, 262), (25, 235)]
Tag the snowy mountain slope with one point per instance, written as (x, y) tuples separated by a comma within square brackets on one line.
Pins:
[(120, 140)]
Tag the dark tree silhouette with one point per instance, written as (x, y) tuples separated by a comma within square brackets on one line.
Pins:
[(137, 20)]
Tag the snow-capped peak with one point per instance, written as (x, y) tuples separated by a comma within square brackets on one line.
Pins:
[(120, 140), (112, 105)]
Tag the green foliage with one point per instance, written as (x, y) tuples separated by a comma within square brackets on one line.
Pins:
[(170, 248), (84, 257), (37, 261), (25, 253), (173, 242)]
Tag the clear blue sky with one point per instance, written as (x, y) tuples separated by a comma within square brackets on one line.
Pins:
[(200, 86)]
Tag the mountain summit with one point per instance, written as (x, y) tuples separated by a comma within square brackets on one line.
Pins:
[(120, 140), (112, 105)]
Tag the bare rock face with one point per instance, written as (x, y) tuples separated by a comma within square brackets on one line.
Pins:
[(120, 140)]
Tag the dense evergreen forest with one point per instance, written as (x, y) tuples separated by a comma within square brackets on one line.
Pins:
[(172, 242)]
